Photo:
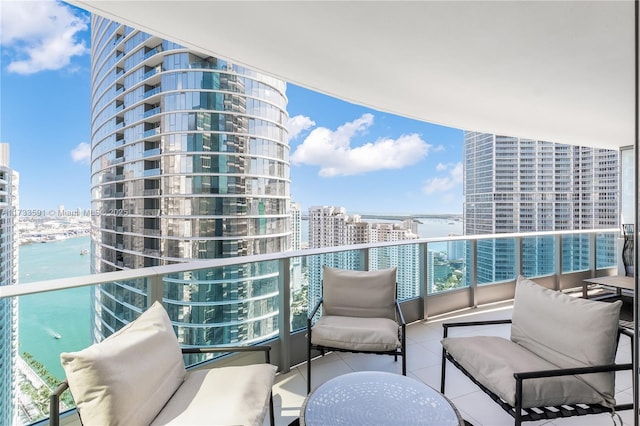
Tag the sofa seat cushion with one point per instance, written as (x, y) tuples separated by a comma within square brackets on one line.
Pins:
[(353, 333), (221, 396), (493, 360)]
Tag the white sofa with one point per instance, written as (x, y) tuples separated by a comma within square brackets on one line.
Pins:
[(137, 377), (554, 336)]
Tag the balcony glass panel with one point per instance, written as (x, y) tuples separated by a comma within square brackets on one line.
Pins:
[(299, 288), (496, 260), (575, 253), (538, 256), (446, 266), (606, 250), (406, 258), (225, 305)]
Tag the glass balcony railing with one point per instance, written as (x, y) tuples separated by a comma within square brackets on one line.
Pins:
[(151, 112), (151, 132), (151, 172), (151, 152), (266, 298), (151, 92)]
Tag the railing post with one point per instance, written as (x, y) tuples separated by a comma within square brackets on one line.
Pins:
[(518, 257), (557, 249), (284, 316), (423, 275), (473, 275), (365, 259), (155, 289), (593, 264)]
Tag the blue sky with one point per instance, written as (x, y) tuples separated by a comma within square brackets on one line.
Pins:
[(341, 154)]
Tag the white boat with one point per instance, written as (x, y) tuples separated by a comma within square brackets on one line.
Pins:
[(84, 251)]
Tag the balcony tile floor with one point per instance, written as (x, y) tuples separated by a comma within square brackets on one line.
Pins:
[(424, 362)]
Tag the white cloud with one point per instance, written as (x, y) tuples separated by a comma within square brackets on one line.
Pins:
[(81, 153), (439, 148), (446, 183), (441, 167), (332, 151), (40, 36), (299, 124)]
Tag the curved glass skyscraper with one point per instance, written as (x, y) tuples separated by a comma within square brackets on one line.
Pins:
[(190, 160), (8, 276)]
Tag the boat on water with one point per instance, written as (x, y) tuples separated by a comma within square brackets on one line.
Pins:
[(57, 335), (84, 251)]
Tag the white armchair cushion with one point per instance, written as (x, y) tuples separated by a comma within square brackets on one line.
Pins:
[(567, 331), (366, 294), (221, 396), (357, 334), (127, 378)]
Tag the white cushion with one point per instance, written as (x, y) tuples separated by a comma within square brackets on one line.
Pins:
[(221, 396), (367, 294), (492, 360), (127, 378), (567, 331), (357, 334)]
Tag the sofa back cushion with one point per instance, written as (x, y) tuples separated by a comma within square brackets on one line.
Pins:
[(567, 331), (365, 294), (127, 378)]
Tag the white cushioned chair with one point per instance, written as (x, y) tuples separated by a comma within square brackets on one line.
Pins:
[(360, 313), (137, 377), (554, 337)]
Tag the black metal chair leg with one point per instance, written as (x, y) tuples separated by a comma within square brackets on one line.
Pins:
[(308, 368)]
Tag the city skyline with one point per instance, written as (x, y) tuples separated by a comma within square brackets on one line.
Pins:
[(380, 162)]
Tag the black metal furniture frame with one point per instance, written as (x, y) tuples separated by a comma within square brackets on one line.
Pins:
[(402, 351), (539, 413), (54, 401)]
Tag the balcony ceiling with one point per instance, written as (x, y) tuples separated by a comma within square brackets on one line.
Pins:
[(560, 71)]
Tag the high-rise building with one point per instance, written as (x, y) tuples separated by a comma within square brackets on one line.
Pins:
[(331, 226), (296, 244), (190, 160), (296, 226), (8, 276), (522, 185)]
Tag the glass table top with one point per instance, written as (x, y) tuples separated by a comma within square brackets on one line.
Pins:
[(377, 398)]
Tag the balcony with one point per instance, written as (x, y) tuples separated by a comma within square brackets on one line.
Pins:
[(576, 255), (151, 152), (151, 132), (151, 172), (151, 92), (151, 112)]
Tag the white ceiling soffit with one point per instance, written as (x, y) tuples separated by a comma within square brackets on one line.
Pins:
[(560, 71)]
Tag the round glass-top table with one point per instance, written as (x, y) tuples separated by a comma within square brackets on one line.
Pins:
[(377, 398)]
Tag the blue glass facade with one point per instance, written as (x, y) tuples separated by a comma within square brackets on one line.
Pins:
[(8, 276), (190, 160), (521, 185)]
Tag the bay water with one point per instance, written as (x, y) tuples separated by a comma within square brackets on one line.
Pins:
[(58, 321)]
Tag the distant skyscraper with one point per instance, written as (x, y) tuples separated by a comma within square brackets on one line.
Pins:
[(190, 160), (8, 276), (331, 226), (296, 226), (522, 185), (296, 244)]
